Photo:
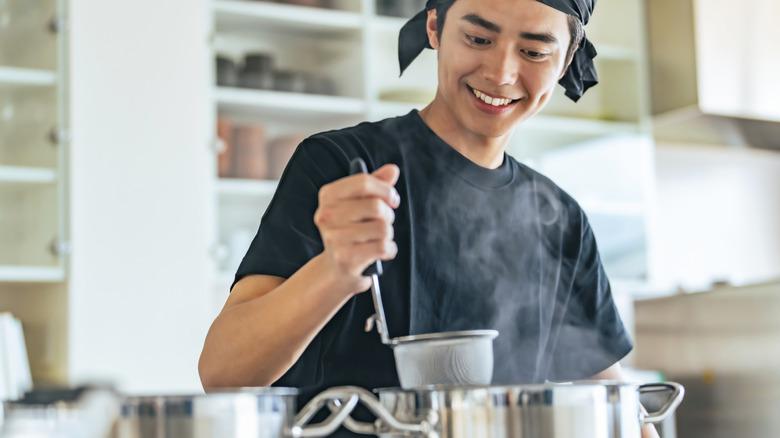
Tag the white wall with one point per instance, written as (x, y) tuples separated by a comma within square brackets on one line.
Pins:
[(140, 194), (718, 215)]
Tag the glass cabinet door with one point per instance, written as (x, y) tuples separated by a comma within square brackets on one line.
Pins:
[(32, 136)]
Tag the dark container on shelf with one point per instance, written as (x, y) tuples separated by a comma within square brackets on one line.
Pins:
[(227, 73), (292, 81), (257, 71), (319, 84), (399, 8)]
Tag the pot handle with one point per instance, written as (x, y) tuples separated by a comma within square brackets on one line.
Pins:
[(678, 391), (386, 422), (347, 400)]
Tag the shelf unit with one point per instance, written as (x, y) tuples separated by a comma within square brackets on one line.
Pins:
[(32, 175), (26, 76), (364, 46), (32, 128)]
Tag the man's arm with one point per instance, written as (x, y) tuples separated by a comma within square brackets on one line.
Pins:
[(267, 322), (615, 372)]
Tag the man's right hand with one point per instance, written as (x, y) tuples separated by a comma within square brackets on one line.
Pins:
[(355, 218)]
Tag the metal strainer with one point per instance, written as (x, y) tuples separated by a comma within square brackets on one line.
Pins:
[(447, 358)]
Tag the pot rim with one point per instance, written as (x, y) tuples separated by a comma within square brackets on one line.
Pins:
[(218, 392), (439, 336), (496, 389)]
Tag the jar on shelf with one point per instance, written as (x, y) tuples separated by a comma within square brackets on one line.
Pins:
[(257, 71), (227, 72), (280, 150), (250, 156), (399, 8), (290, 81)]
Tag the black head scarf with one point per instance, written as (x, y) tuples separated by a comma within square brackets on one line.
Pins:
[(580, 75)]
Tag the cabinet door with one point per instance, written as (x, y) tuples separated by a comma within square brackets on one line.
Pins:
[(32, 130)]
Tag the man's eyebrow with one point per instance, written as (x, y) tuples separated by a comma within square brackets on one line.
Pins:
[(492, 27), (543, 37), (479, 21)]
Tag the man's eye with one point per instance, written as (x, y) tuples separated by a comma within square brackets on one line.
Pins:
[(535, 55), (478, 41)]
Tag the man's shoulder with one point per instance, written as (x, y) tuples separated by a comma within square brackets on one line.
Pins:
[(363, 133)]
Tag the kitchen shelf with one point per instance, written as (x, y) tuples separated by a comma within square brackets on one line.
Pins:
[(552, 123), (612, 208), (26, 76), (245, 187), (384, 23), (31, 274), (34, 175), (236, 16), (275, 104), (617, 53)]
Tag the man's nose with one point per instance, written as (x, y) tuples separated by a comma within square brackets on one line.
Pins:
[(501, 66)]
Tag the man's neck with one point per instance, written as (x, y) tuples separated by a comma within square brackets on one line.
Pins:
[(487, 152)]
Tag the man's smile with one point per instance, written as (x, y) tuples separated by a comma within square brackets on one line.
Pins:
[(491, 99)]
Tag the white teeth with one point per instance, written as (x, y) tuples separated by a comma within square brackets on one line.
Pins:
[(495, 101)]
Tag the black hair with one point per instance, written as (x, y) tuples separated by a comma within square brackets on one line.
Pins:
[(576, 30)]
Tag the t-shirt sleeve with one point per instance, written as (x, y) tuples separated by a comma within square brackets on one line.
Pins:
[(592, 336), (287, 237)]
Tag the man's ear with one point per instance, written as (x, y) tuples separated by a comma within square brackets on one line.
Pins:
[(566, 67), (432, 28)]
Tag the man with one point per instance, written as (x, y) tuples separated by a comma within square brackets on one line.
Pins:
[(471, 238)]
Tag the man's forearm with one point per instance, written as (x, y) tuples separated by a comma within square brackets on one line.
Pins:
[(253, 343)]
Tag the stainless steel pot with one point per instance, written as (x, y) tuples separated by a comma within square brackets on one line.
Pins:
[(579, 410), (250, 412)]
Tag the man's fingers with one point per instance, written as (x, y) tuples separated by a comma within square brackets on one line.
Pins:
[(359, 233), (362, 186), (351, 211), (388, 173)]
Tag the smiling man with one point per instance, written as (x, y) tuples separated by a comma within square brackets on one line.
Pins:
[(471, 238)]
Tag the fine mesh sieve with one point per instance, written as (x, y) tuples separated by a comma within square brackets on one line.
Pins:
[(447, 358)]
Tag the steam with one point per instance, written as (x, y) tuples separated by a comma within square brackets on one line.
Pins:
[(520, 291)]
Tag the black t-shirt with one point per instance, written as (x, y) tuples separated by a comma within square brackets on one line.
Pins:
[(478, 248)]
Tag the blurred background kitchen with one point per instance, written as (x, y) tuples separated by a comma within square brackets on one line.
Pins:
[(140, 142)]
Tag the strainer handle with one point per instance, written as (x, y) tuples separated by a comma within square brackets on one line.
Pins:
[(678, 391), (374, 270), (386, 422), (347, 402)]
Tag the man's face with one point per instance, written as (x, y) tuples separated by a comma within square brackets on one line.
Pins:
[(510, 52)]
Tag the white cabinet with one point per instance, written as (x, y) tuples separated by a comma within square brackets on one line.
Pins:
[(32, 113), (129, 304)]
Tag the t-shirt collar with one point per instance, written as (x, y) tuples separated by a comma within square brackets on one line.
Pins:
[(465, 168)]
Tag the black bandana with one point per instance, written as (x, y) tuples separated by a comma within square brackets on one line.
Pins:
[(580, 75)]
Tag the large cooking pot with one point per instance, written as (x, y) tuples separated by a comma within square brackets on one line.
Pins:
[(240, 413), (578, 410)]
